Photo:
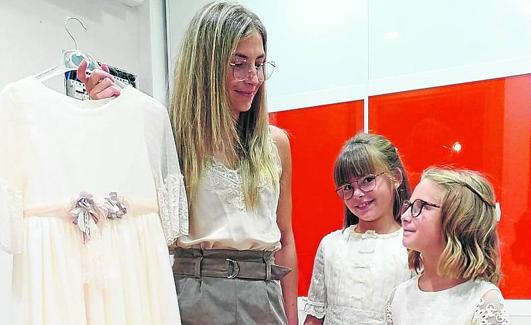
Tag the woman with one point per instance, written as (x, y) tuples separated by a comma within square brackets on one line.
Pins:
[(237, 171)]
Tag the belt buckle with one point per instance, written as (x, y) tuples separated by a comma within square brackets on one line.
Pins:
[(233, 269)]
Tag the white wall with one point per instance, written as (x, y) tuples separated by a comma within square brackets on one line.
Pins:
[(339, 50), (418, 44), (32, 36), (320, 50)]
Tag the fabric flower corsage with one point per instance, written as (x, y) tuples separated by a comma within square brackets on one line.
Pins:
[(114, 208), (85, 213)]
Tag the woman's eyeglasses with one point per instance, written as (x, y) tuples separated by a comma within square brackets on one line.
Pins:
[(245, 70)]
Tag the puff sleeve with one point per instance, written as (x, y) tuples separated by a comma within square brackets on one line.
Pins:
[(173, 204), (317, 299)]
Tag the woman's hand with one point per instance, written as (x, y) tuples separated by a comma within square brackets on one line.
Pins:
[(100, 84)]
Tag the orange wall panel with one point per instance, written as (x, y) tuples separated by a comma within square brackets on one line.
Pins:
[(484, 125), (490, 122), (316, 135)]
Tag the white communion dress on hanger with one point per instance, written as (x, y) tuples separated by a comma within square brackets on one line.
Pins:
[(91, 194)]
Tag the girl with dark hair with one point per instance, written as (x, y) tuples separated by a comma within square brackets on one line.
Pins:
[(356, 268)]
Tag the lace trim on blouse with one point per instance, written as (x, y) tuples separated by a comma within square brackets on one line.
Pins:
[(315, 309), (228, 180), (229, 183), (491, 310)]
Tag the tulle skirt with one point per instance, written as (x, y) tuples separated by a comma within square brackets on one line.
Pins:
[(120, 276)]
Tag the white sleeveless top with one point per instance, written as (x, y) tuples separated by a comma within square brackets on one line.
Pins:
[(220, 219)]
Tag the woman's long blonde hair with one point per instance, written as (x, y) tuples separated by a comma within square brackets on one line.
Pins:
[(469, 221), (200, 111)]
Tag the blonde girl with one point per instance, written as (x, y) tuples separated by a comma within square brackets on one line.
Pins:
[(450, 229)]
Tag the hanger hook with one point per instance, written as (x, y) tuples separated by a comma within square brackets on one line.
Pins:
[(68, 31)]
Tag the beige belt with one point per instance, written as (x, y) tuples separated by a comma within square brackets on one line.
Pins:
[(229, 264)]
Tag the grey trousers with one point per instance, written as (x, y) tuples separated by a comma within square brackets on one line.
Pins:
[(206, 300)]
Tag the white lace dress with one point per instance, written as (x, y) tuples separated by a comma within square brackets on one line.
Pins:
[(353, 274), (470, 303), (90, 195)]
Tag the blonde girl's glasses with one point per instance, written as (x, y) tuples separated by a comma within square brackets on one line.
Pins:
[(416, 207)]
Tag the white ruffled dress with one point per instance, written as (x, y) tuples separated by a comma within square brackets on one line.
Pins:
[(91, 193)]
